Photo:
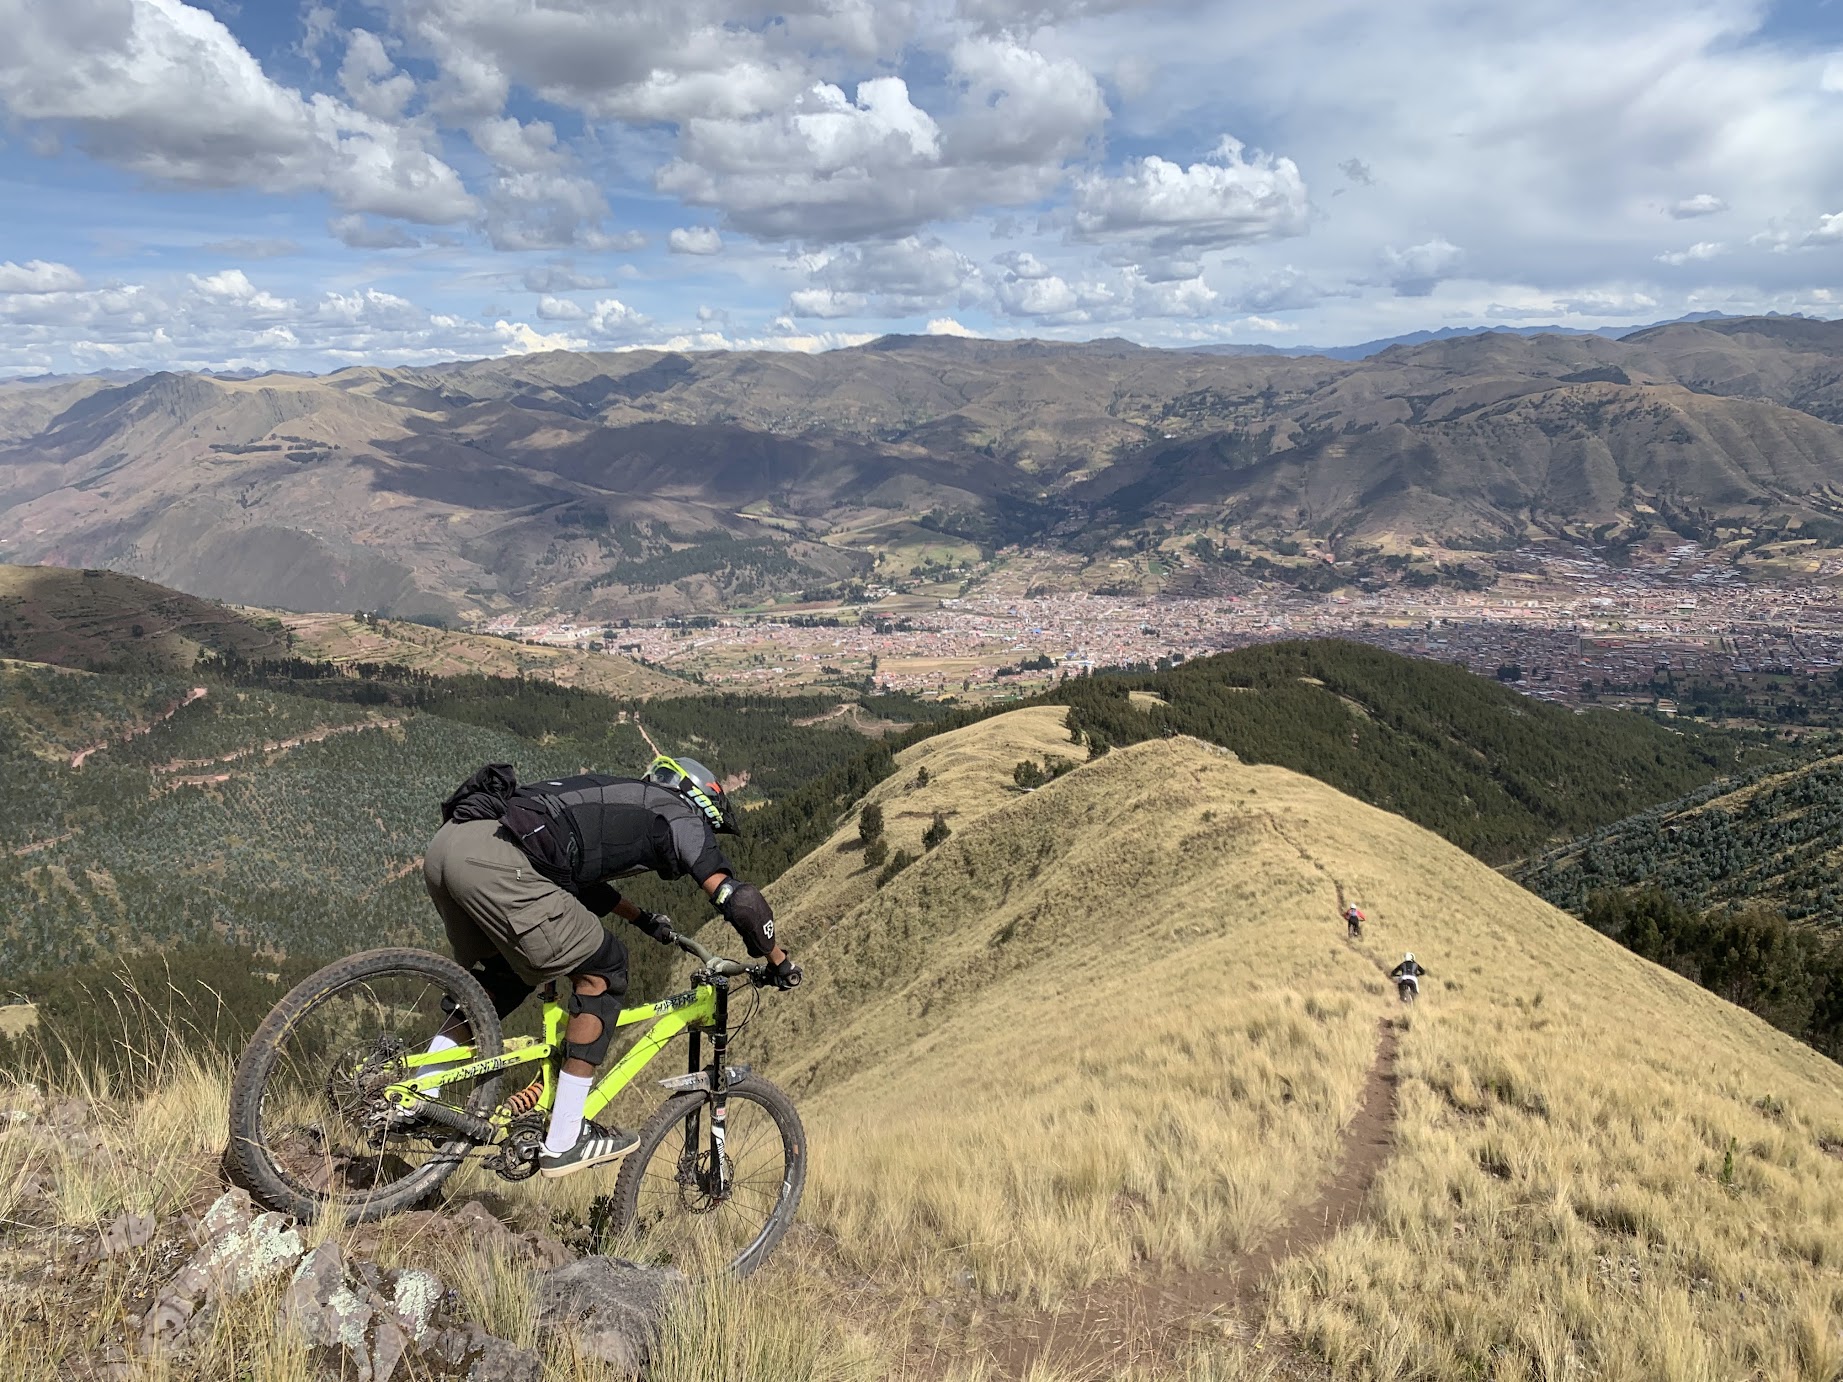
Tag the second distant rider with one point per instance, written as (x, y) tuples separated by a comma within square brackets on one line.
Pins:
[(1408, 972)]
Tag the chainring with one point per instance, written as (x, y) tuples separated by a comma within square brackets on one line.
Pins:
[(517, 1157)]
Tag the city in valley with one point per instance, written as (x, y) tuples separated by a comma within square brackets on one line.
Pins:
[(1566, 626)]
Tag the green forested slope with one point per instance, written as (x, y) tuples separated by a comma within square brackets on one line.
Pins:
[(1493, 771), (293, 824), (1773, 838)]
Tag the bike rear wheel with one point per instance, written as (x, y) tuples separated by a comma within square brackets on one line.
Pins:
[(310, 1132), (666, 1209)]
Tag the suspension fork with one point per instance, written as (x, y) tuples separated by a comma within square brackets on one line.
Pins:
[(714, 1178)]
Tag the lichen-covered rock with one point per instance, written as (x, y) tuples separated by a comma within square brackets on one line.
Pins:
[(610, 1308), (321, 1307), (237, 1249), (415, 1298), (470, 1354), (347, 1309)]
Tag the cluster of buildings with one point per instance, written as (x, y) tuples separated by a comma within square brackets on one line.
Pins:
[(1573, 620)]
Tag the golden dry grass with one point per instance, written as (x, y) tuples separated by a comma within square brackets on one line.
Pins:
[(1111, 1028)]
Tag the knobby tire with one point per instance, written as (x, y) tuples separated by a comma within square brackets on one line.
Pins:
[(252, 1162), (666, 1126)]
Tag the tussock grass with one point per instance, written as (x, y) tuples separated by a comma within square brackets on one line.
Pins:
[(1112, 1028)]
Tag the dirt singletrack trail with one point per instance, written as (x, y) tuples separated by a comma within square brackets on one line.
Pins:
[(1119, 1323)]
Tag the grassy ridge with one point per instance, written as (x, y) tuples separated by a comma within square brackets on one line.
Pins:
[(1498, 774), (1122, 1008), (1109, 1031)]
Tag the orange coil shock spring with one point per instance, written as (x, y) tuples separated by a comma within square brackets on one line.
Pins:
[(527, 1098)]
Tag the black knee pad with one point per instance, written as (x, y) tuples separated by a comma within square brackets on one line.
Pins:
[(609, 963)]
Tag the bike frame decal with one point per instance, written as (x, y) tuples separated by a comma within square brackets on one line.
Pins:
[(695, 1007)]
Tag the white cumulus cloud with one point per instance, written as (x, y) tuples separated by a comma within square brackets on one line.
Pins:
[(1697, 253), (556, 309), (1415, 272), (1231, 198), (895, 278), (365, 233), (38, 276), (165, 90), (1702, 204), (695, 240)]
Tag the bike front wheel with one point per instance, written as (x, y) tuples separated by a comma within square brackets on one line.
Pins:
[(669, 1206), (311, 1133)]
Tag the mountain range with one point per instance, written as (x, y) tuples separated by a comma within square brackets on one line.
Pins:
[(651, 482), (1364, 349)]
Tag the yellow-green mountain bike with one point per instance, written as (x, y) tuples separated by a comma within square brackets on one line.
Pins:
[(338, 1108)]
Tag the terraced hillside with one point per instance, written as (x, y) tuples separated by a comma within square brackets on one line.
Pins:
[(144, 812), (345, 640), (105, 621)]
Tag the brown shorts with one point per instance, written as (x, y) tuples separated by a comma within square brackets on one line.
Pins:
[(492, 901)]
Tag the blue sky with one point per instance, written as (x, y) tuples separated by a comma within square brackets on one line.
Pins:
[(307, 186)]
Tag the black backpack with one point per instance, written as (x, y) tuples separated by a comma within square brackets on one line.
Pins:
[(483, 796)]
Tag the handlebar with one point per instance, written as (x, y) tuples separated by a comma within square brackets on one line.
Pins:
[(715, 963)]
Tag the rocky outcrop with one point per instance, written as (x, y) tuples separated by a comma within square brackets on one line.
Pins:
[(372, 1318), (238, 1249), (609, 1308)]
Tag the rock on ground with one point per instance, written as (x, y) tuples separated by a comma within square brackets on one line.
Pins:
[(372, 1321), (237, 1249), (470, 1354), (128, 1232), (609, 1308)]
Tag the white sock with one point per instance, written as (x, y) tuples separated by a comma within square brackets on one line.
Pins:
[(566, 1117), (437, 1045)]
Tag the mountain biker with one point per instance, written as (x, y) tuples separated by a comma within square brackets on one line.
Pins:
[(1408, 972), (1354, 919), (521, 875)]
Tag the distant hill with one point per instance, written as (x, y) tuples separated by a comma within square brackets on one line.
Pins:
[(104, 621), (344, 639), (1364, 349), (1493, 771), (97, 620), (1772, 838), (654, 482)]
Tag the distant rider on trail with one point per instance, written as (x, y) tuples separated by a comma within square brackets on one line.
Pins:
[(1353, 920), (521, 875), (1408, 972)]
